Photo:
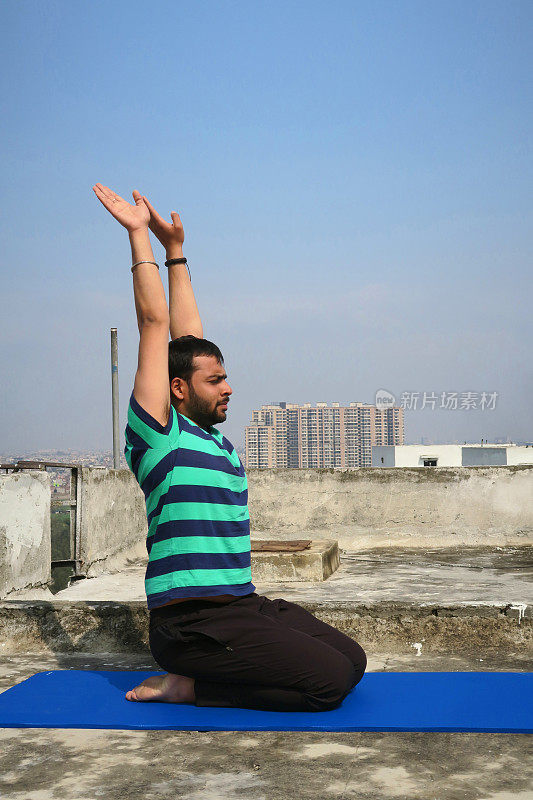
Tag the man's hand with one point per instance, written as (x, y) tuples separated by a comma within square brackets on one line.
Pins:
[(170, 234), (133, 217)]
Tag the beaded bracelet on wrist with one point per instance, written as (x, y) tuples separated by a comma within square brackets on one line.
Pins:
[(178, 261)]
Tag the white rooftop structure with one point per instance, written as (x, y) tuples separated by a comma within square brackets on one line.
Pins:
[(451, 455)]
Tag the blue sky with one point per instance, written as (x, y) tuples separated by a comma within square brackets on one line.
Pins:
[(354, 180)]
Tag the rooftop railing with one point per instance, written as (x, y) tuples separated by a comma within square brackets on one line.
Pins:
[(73, 563)]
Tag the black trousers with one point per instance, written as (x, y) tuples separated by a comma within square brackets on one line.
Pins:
[(253, 652)]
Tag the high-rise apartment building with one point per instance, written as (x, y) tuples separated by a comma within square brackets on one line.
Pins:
[(300, 436)]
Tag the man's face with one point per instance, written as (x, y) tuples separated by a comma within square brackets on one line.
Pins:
[(207, 394)]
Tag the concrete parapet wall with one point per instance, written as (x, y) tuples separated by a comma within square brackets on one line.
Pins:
[(25, 549), (360, 508), (383, 627), (372, 507), (113, 519)]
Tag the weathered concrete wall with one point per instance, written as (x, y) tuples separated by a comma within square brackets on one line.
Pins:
[(386, 627), (361, 508), (113, 520), (370, 507), (25, 548)]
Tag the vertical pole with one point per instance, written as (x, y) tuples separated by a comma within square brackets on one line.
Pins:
[(114, 398)]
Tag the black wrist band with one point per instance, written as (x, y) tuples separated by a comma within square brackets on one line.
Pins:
[(178, 261)]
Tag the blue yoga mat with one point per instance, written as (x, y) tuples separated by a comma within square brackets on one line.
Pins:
[(382, 701)]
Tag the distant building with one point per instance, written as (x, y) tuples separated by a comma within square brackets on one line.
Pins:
[(451, 455), (300, 436)]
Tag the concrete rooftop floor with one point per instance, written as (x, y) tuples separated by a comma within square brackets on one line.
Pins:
[(42, 764), (71, 764), (498, 575)]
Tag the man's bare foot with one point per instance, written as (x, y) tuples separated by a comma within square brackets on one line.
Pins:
[(169, 688)]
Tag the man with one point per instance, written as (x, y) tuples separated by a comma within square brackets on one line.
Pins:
[(220, 643)]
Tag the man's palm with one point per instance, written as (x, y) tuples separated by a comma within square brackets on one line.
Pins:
[(131, 216), (167, 232)]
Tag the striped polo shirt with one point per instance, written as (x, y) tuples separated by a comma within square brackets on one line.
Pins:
[(196, 495)]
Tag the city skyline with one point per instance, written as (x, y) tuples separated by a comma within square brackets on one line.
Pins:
[(239, 442), (295, 436), (104, 456)]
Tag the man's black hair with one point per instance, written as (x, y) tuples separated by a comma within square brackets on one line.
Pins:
[(181, 352)]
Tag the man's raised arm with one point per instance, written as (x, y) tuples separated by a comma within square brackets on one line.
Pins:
[(184, 315), (151, 389)]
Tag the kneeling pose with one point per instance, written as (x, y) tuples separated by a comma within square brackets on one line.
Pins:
[(219, 642)]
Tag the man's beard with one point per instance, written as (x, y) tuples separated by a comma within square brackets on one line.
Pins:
[(203, 413)]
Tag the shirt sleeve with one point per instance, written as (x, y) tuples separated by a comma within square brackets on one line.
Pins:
[(144, 433)]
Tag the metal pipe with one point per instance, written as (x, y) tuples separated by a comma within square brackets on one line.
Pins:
[(114, 398)]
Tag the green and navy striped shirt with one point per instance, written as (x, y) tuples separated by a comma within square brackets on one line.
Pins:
[(196, 495)]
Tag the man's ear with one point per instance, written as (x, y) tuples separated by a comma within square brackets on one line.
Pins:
[(176, 388)]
